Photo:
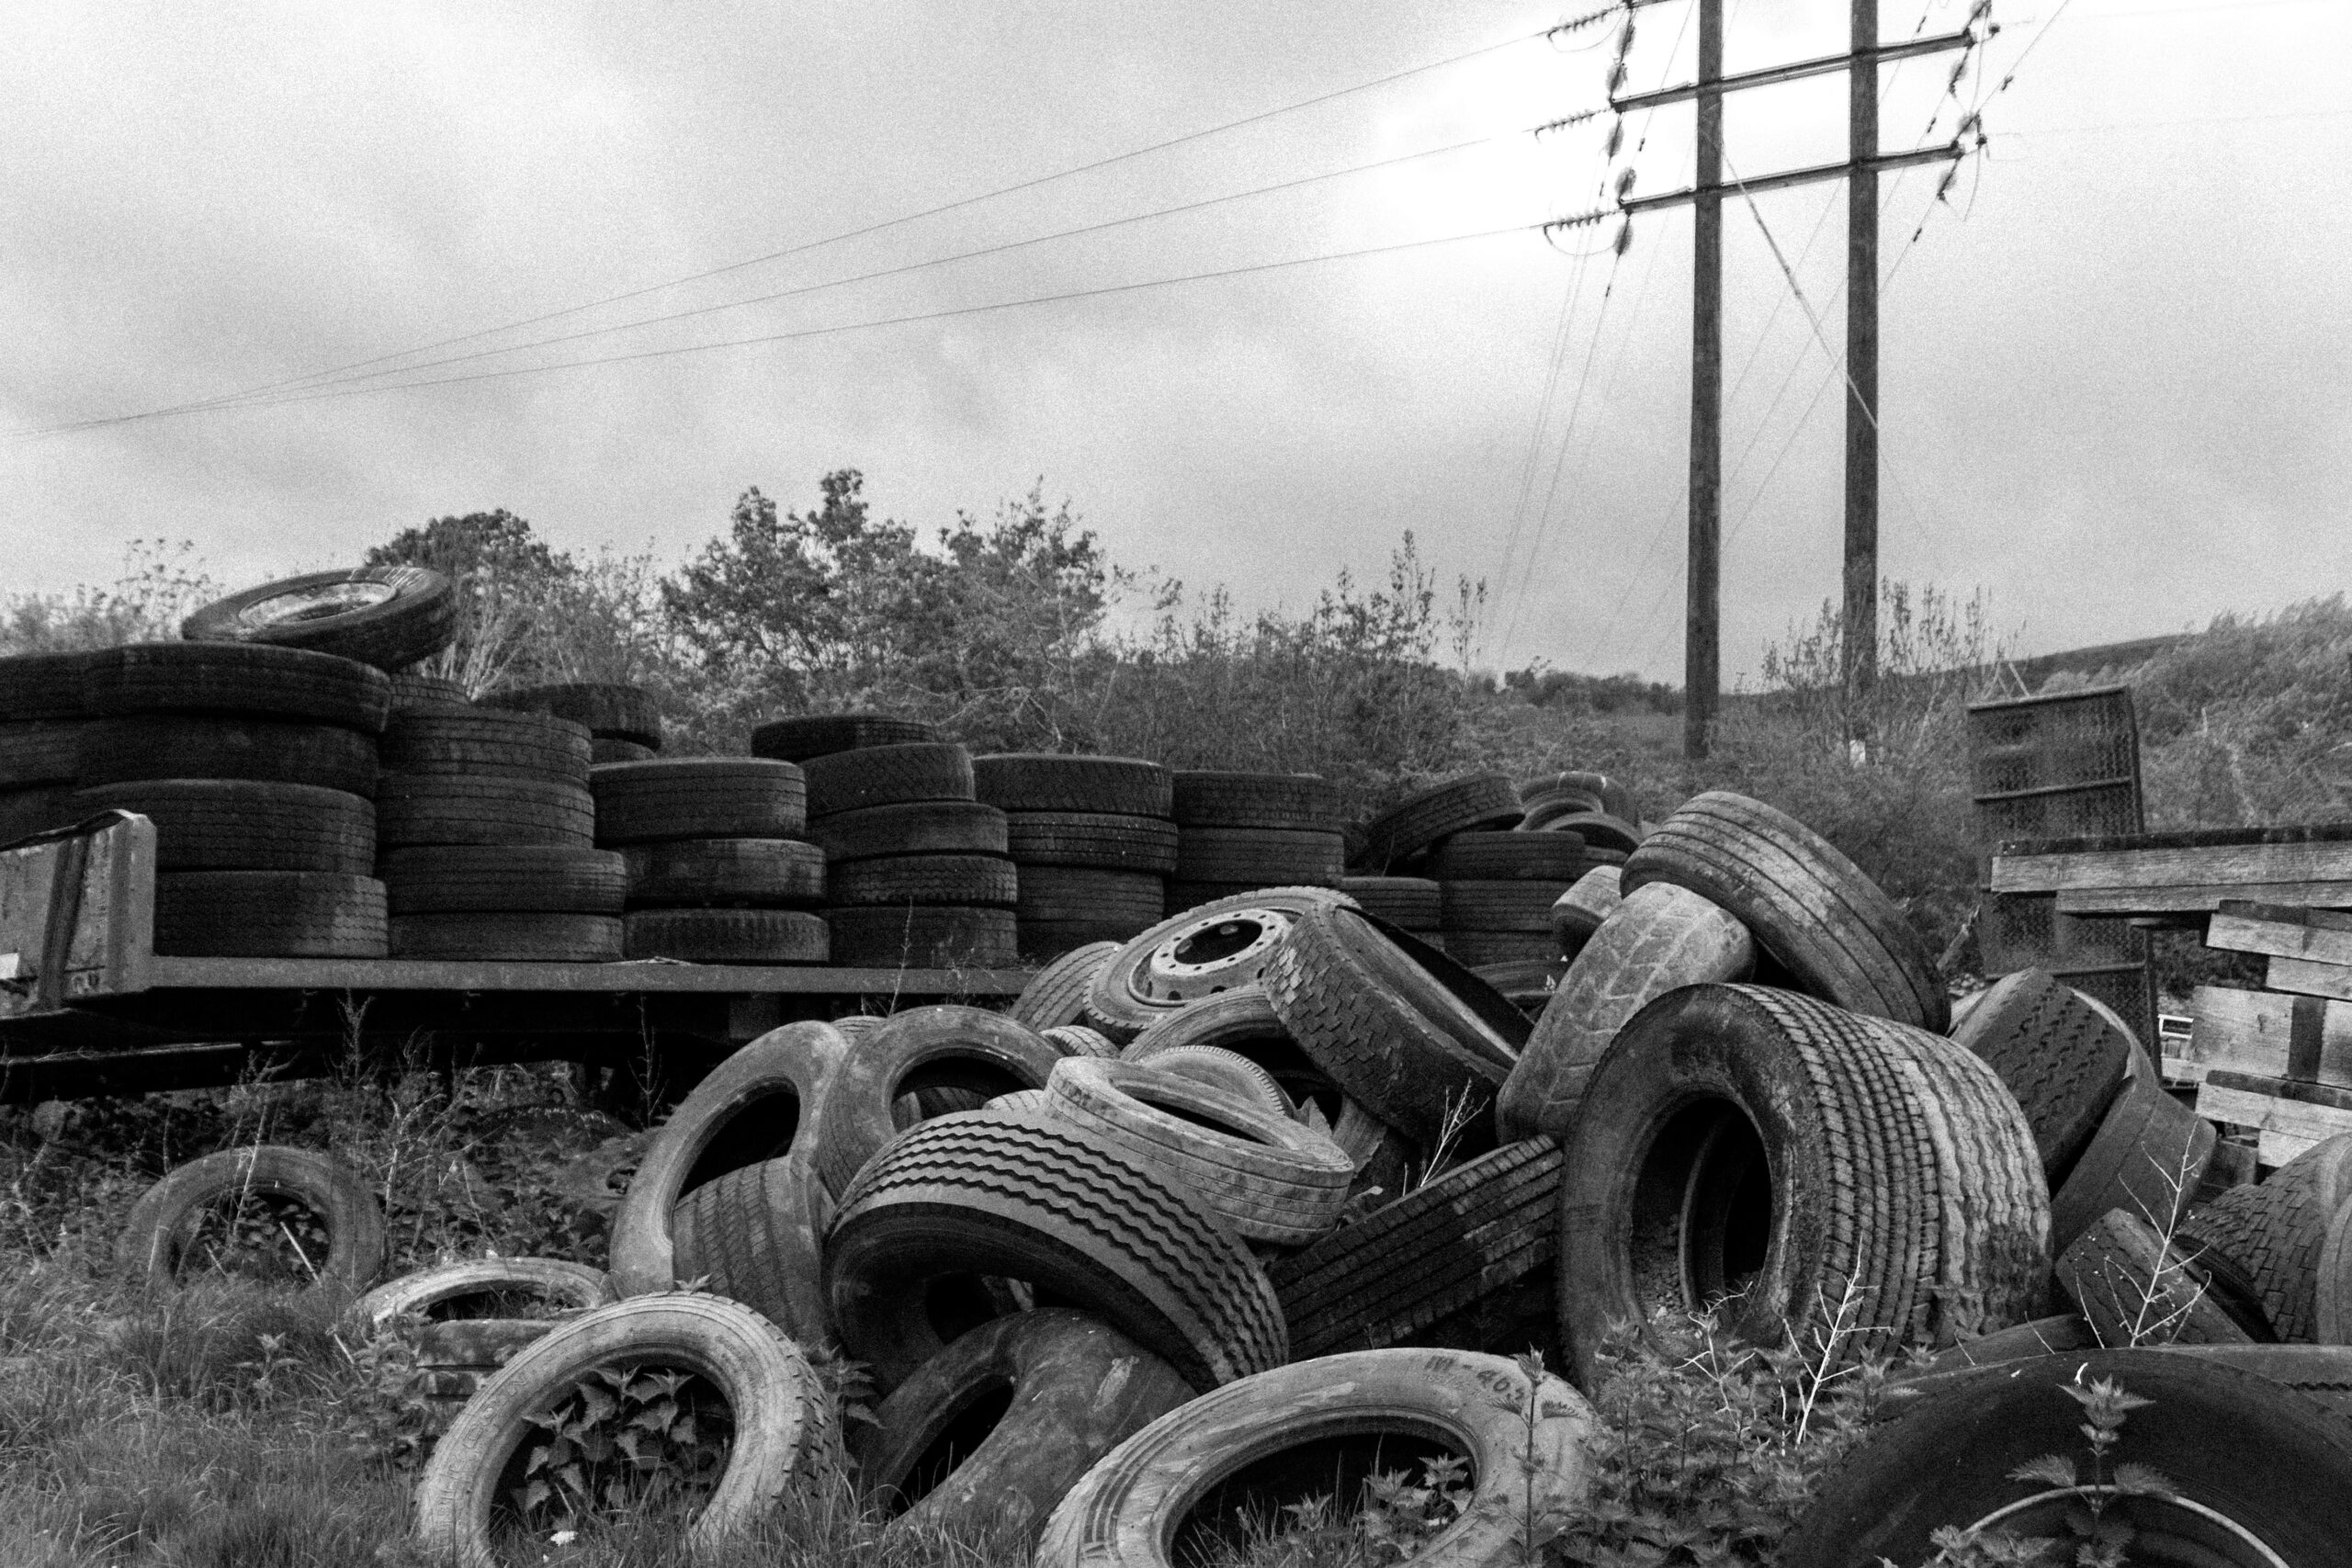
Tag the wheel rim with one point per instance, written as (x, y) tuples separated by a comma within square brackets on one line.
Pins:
[(322, 603), (2167, 1532), (1217, 953)]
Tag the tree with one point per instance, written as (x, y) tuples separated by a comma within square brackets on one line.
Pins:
[(508, 583)]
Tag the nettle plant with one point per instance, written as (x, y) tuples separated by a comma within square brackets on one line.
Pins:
[(623, 1439)]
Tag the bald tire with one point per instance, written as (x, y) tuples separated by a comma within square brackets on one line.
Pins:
[(1092, 839), (2146, 1158), (888, 775), (943, 1047), (1058, 993), (1898, 1165), (752, 1235), (1078, 1388), (244, 824), (1577, 913), (1129, 1510), (2058, 1054), (1226, 1071), (1815, 911), (1038, 781), (1026, 1198), (2131, 1288), (980, 880), (1459, 806), (269, 914), (250, 679), (453, 808), (787, 1438), (2274, 1233), (923, 936), (152, 1235), (1659, 940), (1205, 798), (1472, 1232), (698, 797), (450, 738)]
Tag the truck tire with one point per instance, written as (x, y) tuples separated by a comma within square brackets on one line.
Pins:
[(706, 873), (2056, 1053), (415, 810), (928, 936), (608, 712), (41, 686), (728, 936), (933, 828), (1215, 947), (1045, 780), (698, 797), (2146, 1158), (246, 825), (1577, 913), (982, 881), (1462, 806), (1205, 798), (440, 1294), (1518, 908), (1604, 837), (1092, 839), (1057, 995), (504, 879), (250, 679), (35, 751), (807, 736), (484, 742), (156, 1229), (509, 936), (751, 1235), (1410, 902), (412, 689), (1078, 1040), (929, 1047), (1213, 1067), (390, 617), (161, 745), (1288, 856), (1063, 894), (269, 914), (1508, 857), (1477, 950), (2133, 1288), (888, 775), (2273, 1233)]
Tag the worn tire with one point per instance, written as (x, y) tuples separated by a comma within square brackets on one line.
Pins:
[(1556, 858), (1460, 805), (480, 742), (929, 1047), (1605, 794), (2145, 1142), (152, 1234), (133, 746), (269, 914), (1269, 1179), (1577, 913), (1603, 837), (888, 775), (1078, 1040), (786, 1438), (608, 711), (807, 736), (1205, 798), (435, 1294), (981, 881), (1215, 947), (41, 686), (455, 879), (1130, 1511), (1057, 993), (2273, 1233), (1026, 1198), (935, 828), (1411, 903), (253, 679), (1762, 1147), (918, 936), (728, 936), (2133, 1288), (698, 797), (1062, 895), (1076, 1389), (44, 752), (412, 689), (1213, 1067), (390, 617), (1472, 1232), (1661, 939), (1045, 780), (247, 825), (1092, 839), (2221, 1435), (414, 809), (1287, 856), (751, 1235), (2058, 1055), (783, 874), (508, 936), (1826, 923), (760, 1104)]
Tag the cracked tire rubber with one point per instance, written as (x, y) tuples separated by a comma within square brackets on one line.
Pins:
[(760, 1104), (981, 881), (934, 828), (1205, 798), (509, 936), (1016, 1195), (2274, 1233), (1740, 1139), (202, 746), (1266, 1177), (1661, 939), (1403, 1030), (919, 936), (1461, 806), (154, 1232), (708, 873), (253, 679), (1217, 946), (698, 797), (608, 712), (751, 1235), (449, 808), (1471, 1234), (483, 742), (2130, 1288), (437, 1294), (1824, 923), (2146, 1158), (786, 1438), (2057, 1055), (888, 775), (243, 825), (728, 936), (269, 914), (930, 1047), (1093, 841), (1041, 780), (1293, 856), (1131, 1509), (1057, 995), (499, 878), (390, 617), (806, 736), (1078, 1389)]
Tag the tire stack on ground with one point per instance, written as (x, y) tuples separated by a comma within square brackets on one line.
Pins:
[(718, 868), (1093, 841), (1592, 806), (487, 835), (40, 738), (623, 724), (1410, 903), (1238, 832), (916, 871), (1496, 892), (256, 764)]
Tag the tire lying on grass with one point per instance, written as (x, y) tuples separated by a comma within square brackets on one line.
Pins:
[(160, 1223), (1287, 1435), (996, 1428), (785, 1439), (443, 1293)]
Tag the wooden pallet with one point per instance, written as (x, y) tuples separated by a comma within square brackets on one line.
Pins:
[(2176, 877)]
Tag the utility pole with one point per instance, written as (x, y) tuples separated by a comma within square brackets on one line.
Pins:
[(1863, 164)]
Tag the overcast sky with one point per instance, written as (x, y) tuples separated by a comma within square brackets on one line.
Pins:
[(2115, 366)]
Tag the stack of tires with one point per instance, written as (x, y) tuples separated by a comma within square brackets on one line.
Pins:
[(487, 838), (1093, 841), (1240, 831), (1592, 806), (623, 724), (1410, 903), (40, 739), (718, 868), (1496, 892), (256, 764)]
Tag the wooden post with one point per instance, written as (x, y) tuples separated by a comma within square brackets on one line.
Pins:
[(1858, 655), (1703, 631)]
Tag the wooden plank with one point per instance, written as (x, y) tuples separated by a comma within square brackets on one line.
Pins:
[(2273, 1149), (2318, 936), (2270, 1113), (2271, 867), (2255, 1032), (2192, 899), (2307, 979)]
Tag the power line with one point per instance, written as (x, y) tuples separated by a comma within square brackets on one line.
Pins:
[(875, 228)]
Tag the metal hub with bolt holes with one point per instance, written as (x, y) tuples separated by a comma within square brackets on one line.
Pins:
[(1217, 953)]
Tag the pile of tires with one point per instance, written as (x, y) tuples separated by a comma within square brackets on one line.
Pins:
[(1236, 833), (1093, 839), (257, 764), (718, 868), (1496, 892), (1410, 903), (917, 875), (622, 723), (40, 740)]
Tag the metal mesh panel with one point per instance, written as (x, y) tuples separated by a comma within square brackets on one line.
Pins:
[(2024, 930), (2129, 990), (2036, 743), (2100, 810)]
